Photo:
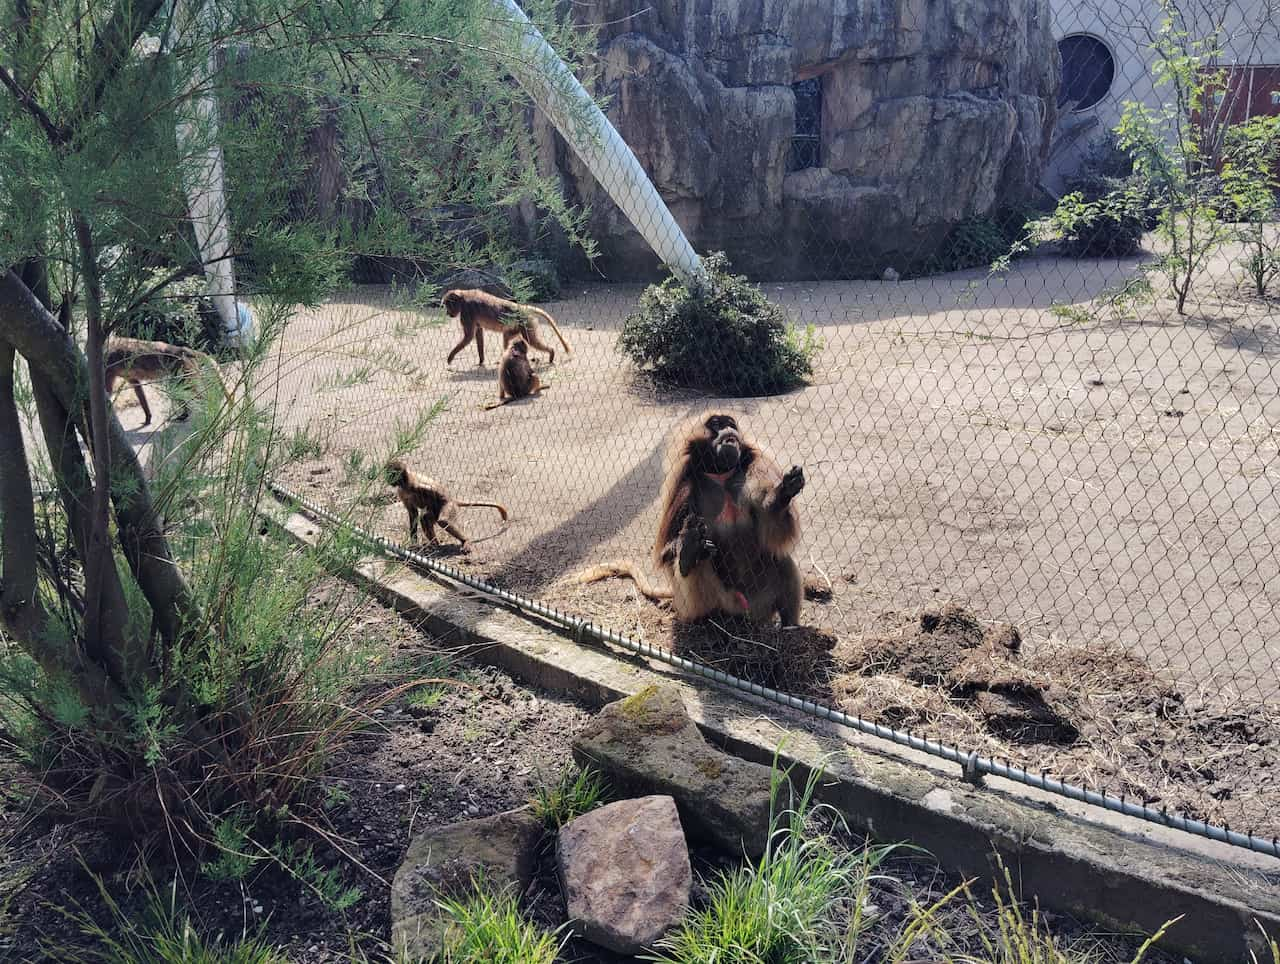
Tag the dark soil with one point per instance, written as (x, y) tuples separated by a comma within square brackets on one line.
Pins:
[(480, 748)]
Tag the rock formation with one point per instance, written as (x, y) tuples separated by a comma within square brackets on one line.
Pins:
[(931, 111)]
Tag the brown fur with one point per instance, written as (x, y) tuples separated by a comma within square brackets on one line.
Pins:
[(516, 378), (478, 310), (426, 499), (728, 525), (137, 361)]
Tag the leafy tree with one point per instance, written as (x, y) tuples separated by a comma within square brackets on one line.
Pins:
[(160, 626), (1250, 183)]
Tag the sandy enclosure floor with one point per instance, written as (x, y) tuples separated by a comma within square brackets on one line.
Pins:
[(1087, 481)]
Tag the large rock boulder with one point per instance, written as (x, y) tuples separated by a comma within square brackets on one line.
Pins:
[(624, 871), (932, 111), (648, 744), (446, 862)]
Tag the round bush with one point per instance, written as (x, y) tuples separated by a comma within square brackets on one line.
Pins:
[(727, 339), (1112, 216)]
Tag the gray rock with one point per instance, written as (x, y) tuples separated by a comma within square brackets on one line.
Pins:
[(933, 111), (624, 871), (446, 861), (647, 744)]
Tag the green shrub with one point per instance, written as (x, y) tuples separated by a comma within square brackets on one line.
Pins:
[(973, 243), (535, 280), (183, 314), (727, 339), (1102, 216)]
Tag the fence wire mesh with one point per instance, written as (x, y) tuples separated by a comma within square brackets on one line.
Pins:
[(1040, 500)]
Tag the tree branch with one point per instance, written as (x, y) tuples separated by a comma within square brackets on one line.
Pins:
[(19, 606), (57, 136), (50, 352), (112, 46)]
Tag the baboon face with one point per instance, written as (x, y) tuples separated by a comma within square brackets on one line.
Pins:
[(518, 347), (452, 303), (724, 444)]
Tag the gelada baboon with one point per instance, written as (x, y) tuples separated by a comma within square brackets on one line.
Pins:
[(516, 378), (138, 361), (728, 525), (426, 499), (477, 310)]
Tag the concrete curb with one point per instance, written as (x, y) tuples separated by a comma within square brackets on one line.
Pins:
[(1126, 874)]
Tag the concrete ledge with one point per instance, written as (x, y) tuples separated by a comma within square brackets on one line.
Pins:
[(1121, 872)]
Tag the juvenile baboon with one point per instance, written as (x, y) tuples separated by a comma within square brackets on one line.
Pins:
[(426, 499), (728, 525), (477, 310), (516, 378), (138, 361)]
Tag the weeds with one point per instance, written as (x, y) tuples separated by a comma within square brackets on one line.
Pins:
[(488, 929), (574, 794), (162, 934), (799, 904)]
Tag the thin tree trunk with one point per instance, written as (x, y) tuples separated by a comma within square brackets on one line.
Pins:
[(98, 554), (21, 613), (51, 353)]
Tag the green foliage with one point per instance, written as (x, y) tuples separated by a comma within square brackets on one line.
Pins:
[(575, 793), (488, 929), (162, 934), (1102, 217), (231, 840), (977, 242), (1250, 185), (179, 313), (728, 339), (798, 905), (1171, 152)]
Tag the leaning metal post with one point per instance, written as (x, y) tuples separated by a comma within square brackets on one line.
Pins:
[(575, 114)]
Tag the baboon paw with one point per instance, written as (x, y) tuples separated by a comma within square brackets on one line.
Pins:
[(793, 482)]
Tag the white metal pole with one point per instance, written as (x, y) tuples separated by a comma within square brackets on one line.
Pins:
[(574, 112), (206, 194)]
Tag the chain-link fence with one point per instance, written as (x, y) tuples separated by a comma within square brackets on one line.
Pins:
[(1039, 509)]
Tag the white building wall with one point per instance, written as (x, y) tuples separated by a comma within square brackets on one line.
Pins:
[(1250, 36)]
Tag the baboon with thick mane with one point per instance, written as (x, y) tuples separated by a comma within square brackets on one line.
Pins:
[(728, 526), (477, 310), (427, 500)]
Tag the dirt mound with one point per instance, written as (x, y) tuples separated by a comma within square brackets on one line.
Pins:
[(947, 654), (795, 659)]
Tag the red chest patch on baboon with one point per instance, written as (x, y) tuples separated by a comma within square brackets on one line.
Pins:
[(729, 511)]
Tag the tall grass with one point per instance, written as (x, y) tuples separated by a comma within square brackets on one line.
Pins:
[(812, 900), (799, 904), (487, 928), (216, 762), (162, 934), (575, 793)]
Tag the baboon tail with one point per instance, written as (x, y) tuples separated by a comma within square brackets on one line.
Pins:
[(552, 322), (624, 568), (502, 509)]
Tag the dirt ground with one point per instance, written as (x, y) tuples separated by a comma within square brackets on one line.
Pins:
[(480, 748), (1107, 487)]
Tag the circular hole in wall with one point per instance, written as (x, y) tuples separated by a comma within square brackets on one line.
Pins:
[(1088, 70)]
